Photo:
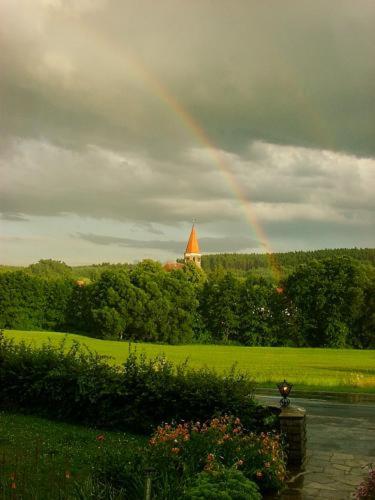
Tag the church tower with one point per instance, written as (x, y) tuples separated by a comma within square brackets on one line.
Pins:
[(192, 252)]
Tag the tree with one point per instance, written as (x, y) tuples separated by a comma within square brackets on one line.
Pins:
[(115, 305), (58, 295), (50, 269), (169, 311), (22, 301), (257, 317), (328, 296), (364, 333), (220, 306)]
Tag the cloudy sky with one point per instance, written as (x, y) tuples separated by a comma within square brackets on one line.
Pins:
[(121, 121)]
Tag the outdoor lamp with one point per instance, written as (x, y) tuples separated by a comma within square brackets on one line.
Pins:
[(149, 472), (284, 389)]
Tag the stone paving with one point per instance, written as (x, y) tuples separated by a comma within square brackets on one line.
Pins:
[(340, 443), (327, 475)]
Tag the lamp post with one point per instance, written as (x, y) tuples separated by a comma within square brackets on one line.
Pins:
[(284, 389), (149, 472)]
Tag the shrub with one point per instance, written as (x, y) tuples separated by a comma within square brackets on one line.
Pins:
[(225, 484), (187, 449), (194, 461), (78, 385), (366, 490)]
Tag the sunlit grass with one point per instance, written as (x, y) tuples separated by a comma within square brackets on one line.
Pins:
[(311, 369)]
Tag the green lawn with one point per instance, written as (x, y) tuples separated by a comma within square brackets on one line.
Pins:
[(344, 370), (41, 459)]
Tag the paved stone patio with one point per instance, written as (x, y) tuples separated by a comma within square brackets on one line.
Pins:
[(327, 475), (340, 442)]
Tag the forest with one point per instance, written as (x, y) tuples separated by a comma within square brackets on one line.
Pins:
[(322, 302), (286, 261)]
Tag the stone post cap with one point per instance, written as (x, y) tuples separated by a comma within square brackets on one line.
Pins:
[(292, 412)]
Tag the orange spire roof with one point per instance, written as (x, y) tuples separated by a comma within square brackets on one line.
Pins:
[(192, 246)]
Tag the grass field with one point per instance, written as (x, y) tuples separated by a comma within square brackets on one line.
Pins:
[(41, 459), (341, 370)]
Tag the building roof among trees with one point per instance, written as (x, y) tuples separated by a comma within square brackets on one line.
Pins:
[(193, 245)]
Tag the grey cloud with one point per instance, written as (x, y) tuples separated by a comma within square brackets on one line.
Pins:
[(208, 244), (288, 73), (147, 226), (14, 217), (43, 179)]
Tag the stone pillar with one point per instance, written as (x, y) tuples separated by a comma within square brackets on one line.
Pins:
[(293, 426)]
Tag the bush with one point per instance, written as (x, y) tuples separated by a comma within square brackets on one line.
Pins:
[(226, 484), (195, 461), (366, 490), (75, 384), (187, 449)]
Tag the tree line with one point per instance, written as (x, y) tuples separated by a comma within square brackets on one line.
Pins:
[(287, 261), (326, 302), (239, 263)]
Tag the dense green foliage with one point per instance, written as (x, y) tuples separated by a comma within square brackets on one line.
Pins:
[(33, 302), (328, 298), (78, 385), (226, 484), (144, 303), (286, 261), (248, 312), (327, 302), (220, 443), (186, 458)]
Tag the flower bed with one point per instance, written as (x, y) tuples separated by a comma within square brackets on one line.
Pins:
[(183, 450)]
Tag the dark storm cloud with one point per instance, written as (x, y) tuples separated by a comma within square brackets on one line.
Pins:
[(208, 244), (292, 72)]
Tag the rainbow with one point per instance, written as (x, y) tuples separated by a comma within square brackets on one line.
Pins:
[(218, 158), (163, 93)]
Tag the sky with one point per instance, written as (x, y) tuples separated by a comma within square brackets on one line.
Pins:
[(122, 121)]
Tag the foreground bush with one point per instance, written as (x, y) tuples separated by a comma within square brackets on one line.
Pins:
[(366, 490), (226, 484), (78, 385), (218, 459), (221, 442)]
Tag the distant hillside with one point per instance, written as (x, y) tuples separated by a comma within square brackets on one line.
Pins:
[(287, 261)]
